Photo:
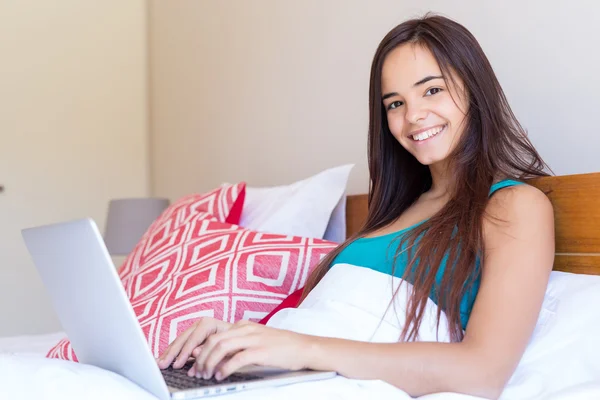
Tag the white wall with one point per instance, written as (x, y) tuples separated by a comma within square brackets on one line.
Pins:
[(267, 91), (73, 130), (270, 91)]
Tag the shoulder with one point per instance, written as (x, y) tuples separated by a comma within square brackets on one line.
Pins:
[(518, 208), (519, 200)]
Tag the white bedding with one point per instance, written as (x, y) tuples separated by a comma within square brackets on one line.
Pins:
[(562, 360), (30, 344)]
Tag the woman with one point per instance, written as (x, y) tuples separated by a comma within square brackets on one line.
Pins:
[(447, 160)]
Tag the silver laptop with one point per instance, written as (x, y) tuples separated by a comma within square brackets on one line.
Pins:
[(98, 318)]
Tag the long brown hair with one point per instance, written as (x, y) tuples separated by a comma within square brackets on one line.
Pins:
[(493, 145)]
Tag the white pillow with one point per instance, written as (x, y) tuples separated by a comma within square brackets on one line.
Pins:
[(304, 208), (564, 351), (571, 306)]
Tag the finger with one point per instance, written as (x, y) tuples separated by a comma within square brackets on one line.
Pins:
[(213, 340), (197, 338), (196, 351), (192, 371), (173, 349), (227, 348), (175, 344), (240, 360)]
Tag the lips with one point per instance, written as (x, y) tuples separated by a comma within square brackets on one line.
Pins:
[(427, 134)]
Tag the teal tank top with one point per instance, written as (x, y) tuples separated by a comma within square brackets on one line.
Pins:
[(377, 254)]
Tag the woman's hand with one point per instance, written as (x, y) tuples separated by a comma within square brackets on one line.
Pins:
[(246, 343), (181, 348)]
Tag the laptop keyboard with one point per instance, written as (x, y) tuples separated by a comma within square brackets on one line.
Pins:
[(179, 379)]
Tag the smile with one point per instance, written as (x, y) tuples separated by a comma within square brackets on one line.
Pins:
[(428, 134)]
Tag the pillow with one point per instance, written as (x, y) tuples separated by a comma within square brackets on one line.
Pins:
[(224, 203), (564, 351), (568, 308), (303, 208), (204, 267)]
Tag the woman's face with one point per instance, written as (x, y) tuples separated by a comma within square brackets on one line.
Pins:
[(424, 114)]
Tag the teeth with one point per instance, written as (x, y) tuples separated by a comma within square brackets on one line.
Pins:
[(428, 134)]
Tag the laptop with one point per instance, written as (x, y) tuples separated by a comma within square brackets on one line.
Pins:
[(96, 314)]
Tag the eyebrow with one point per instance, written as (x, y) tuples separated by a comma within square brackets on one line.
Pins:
[(422, 81)]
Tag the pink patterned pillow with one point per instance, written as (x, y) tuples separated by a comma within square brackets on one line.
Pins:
[(223, 204), (202, 267)]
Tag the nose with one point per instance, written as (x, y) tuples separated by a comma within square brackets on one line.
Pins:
[(415, 113)]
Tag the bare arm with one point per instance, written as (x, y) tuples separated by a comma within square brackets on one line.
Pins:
[(518, 259)]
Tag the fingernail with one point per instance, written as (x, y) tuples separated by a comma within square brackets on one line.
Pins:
[(198, 375), (218, 376), (205, 375)]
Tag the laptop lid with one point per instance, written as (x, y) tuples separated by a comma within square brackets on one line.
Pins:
[(91, 303)]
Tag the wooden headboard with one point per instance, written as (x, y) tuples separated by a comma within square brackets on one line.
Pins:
[(576, 202)]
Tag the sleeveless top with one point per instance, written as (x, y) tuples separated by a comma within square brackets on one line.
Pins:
[(377, 254)]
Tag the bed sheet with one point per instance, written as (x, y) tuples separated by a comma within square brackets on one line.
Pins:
[(30, 344), (562, 360), (34, 378), (31, 377)]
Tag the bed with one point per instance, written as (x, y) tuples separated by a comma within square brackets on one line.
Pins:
[(576, 202), (563, 360)]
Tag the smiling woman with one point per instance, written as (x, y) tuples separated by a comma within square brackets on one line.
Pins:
[(425, 114), (449, 212)]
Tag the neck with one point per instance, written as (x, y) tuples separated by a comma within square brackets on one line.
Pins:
[(441, 183)]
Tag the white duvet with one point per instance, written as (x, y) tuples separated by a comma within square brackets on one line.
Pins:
[(562, 360)]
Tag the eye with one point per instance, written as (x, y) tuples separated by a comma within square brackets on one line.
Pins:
[(433, 91), (394, 104)]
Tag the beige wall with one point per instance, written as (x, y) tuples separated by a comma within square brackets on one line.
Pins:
[(267, 91), (73, 130), (270, 91)]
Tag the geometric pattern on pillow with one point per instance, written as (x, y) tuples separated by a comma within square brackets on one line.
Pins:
[(170, 228), (210, 268), (231, 274), (218, 202), (172, 225)]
